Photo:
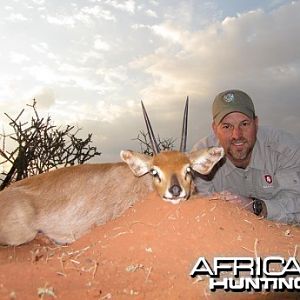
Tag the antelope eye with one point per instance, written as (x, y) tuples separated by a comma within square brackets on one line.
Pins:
[(188, 170), (154, 172)]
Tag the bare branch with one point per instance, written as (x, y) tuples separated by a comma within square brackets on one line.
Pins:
[(145, 144), (41, 146)]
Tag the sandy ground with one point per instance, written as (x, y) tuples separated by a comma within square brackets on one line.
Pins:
[(147, 253)]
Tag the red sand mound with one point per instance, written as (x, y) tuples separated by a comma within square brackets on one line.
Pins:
[(145, 254)]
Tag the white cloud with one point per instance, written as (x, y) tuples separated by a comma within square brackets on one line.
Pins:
[(140, 26), (151, 13), (44, 96), (10, 8), (85, 15), (101, 111), (42, 73), (38, 2), (90, 55), (100, 44), (168, 31), (41, 47), (109, 112), (128, 5), (62, 20), (99, 13), (17, 17), (226, 53), (8, 88), (18, 58), (154, 2), (111, 76), (83, 82), (106, 67)]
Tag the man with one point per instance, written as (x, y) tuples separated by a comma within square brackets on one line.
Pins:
[(261, 170)]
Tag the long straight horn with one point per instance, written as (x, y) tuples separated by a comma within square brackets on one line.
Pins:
[(154, 144), (184, 127)]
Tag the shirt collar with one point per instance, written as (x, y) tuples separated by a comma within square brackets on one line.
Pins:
[(256, 161)]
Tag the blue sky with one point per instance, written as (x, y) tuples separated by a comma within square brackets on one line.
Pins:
[(89, 63)]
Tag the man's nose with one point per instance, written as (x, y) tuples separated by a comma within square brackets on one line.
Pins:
[(237, 133)]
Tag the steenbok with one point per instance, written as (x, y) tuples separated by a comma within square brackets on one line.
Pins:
[(65, 203)]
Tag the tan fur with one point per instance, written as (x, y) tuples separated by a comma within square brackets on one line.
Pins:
[(66, 203), (178, 169)]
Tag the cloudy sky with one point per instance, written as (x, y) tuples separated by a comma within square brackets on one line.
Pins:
[(90, 62)]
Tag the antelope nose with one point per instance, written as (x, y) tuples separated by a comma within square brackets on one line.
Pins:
[(175, 190)]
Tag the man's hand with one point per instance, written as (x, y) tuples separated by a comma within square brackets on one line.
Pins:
[(241, 201)]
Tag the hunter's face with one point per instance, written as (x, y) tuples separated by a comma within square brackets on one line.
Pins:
[(237, 135)]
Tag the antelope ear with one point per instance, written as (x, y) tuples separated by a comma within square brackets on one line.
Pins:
[(138, 163), (204, 160)]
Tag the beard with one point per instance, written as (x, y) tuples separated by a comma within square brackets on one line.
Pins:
[(239, 152)]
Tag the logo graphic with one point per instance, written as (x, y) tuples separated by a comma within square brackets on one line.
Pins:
[(228, 97), (268, 179), (251, 274)]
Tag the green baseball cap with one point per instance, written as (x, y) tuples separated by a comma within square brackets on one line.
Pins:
[(232, 101)]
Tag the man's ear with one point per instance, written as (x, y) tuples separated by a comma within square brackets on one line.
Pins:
[(203, 160), (138, 163), (214, 127), (256, 121)]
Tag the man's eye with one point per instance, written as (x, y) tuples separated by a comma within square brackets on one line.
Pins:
[(225, 126)]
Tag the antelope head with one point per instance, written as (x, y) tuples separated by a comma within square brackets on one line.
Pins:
[(172, 171)]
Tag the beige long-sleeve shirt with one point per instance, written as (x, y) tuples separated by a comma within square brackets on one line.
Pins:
[(273, 174)]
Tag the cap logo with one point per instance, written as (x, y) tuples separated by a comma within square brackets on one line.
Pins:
[(228, 97)]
